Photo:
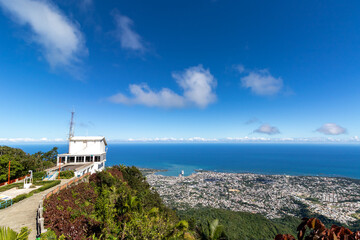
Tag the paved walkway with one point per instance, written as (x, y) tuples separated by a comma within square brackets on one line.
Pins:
[(13, 192), (23, 213)]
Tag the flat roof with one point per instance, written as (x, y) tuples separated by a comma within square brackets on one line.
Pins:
[(88, 138), (80, 154)]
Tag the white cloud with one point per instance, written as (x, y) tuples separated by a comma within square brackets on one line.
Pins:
[(331, 129), (29, 140), (128, 38), (267, 129), (261, 82), (143, 95), (61, 41), (245, 139), (171, 139), (198, 86)]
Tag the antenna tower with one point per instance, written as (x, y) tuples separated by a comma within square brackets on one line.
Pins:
[(71, 130)]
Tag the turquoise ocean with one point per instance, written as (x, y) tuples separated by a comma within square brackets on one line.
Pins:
[(292, 159)]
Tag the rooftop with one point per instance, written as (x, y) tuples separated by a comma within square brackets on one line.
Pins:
[(88, 138)]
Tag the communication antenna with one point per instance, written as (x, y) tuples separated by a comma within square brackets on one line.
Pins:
[(71, 130)]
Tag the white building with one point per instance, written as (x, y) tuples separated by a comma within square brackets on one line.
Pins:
[(86, 154)]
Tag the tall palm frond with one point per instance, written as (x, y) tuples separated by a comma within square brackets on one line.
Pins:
[(7, 233)]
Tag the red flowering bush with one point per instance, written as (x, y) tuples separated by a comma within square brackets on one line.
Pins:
[(70, 212), (318, 231)]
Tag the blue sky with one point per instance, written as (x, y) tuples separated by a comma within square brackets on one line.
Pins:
[(180, 70)]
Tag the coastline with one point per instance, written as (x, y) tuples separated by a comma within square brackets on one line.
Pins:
[(148, 171), (297, 160)]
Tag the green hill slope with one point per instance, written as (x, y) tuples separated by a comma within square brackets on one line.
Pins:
[(241, 225)]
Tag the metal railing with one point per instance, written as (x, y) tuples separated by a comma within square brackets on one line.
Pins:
[(6, 203), (14, 180)]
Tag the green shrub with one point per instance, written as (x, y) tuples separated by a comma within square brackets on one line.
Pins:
[(10, 186), (39, 175), (49, 235), (20, 197), (67, 174), (47, 186)]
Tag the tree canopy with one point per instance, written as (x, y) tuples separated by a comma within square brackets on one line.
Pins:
[(22, 162)]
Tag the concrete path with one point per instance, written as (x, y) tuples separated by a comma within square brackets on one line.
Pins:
[(23, 213), (13, 192)]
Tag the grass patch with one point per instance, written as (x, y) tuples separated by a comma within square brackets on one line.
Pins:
[(67, 174), (20, 185), (46, 185), (10, 186)]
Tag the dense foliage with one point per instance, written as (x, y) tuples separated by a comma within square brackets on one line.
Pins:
[(67, 174), (116, 204), (9, 234), (22, 162), (238, 225)]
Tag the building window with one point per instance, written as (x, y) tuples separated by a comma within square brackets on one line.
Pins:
[(62, 159), (97, 158), (88, 159), (71, 159), (80, 159)]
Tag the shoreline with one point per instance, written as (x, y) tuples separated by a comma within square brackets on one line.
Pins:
[(148, 171)]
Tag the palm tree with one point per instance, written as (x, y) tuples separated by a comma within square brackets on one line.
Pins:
[(7, 233), (214, 231)]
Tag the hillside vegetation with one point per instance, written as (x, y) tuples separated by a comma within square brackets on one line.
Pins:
[(22, 162), (240, 225), (116, 204)]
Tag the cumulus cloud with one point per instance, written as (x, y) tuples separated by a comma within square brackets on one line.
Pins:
[(143, 95), (267, 129), (331, 129), (261, 82), (128, 38), (198, 86), (61, 41)]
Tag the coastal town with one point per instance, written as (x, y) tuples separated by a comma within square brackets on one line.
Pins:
[(273, 196)]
